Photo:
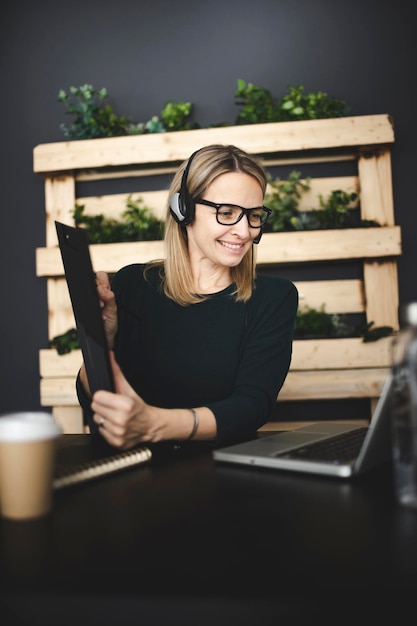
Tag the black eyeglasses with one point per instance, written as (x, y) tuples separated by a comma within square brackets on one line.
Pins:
[(229, 214)]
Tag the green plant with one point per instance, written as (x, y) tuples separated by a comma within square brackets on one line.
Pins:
[(259, 106), (174, 115), (297, 105), (312, 322), (66, 342), (154, 125), (173, 118), (92, 119), (283, 201), (334, 212), (138, 224), (316, 323)]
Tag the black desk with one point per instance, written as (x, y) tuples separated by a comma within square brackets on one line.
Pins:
[(186, 541)]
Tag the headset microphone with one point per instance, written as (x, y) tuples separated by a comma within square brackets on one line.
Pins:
[(257, 239)]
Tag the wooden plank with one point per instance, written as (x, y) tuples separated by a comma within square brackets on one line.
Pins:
[(274, 248), (131, 172), (59, 204), (106, 257), (60, 314), (351, 352), (58, 392), (337, 296), (257, 138), (112, 206), (331, 384), (327, 245), (54, 365), (376, 187), (124, 172), (382, 298), (70, 418)]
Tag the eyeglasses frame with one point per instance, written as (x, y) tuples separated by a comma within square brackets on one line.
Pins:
[(244, 211)]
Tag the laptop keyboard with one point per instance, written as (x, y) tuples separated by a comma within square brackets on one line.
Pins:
[(339, 449)]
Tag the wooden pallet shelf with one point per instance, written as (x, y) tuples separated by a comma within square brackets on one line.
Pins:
[(320, 369)]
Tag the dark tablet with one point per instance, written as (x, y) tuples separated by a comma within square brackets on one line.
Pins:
[(73, 243)]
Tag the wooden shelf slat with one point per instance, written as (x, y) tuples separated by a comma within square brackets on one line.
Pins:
[(257, 138)]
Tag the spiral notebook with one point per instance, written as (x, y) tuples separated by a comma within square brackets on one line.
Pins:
[(82, 458)]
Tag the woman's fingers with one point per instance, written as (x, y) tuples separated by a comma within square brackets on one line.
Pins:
[(119, 414)]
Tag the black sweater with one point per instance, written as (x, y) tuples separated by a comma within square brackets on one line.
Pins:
[(230, 356)]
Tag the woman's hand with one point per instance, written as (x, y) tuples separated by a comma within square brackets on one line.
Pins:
[(123, 417), (108, 307), (125, 420)]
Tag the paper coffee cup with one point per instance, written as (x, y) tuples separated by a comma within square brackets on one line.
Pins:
[(27, 462)]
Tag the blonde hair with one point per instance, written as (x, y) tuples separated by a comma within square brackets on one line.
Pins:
[(207, 164)]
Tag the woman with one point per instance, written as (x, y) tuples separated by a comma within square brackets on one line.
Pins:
[(200, 346)]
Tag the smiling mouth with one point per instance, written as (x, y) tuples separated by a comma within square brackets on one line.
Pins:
[(231, 246)]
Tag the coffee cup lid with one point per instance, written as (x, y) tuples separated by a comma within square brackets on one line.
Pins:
[(28, 426)]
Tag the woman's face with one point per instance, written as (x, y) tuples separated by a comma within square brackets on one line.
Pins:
[(219, 244)]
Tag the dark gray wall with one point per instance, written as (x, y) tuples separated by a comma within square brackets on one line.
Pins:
[(146, 53)]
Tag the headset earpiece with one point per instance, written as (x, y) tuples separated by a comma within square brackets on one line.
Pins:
[(181, 204), (175, 207)]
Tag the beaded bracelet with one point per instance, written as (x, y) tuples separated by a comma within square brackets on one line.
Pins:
[(195, 425)]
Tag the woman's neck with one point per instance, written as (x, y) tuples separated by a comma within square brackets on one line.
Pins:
[(211, 281)]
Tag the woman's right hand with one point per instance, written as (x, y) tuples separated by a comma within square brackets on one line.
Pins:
[(108, 307)]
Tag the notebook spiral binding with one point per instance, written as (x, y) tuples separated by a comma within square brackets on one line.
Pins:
[(96, 469)]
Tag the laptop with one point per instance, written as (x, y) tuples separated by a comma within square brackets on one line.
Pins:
[(328, 448), (80, 276)]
